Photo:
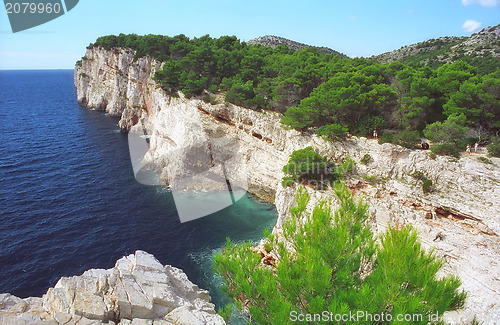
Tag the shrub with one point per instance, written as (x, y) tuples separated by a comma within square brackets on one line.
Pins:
[(243, 94), (427, 186), (305, 165), (367, 125), (494, 147), (240, 93), (448, 149), (288, 181), (213, 88), (366, 159), (462, 143), (426, 183), (346, 167), (450, 131), (323, 271), (332, 132), (386, 137), (407, 139)]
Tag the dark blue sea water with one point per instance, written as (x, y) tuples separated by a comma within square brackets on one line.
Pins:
[(69, 201)]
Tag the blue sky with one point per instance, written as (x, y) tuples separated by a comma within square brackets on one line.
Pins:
[(354, 27)]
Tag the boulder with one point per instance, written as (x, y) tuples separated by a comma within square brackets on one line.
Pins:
[(138, 290)]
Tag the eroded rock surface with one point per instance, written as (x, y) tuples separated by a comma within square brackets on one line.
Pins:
[(464, 206), (138, 290)]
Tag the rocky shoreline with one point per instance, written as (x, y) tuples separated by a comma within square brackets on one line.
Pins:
[(138, 290), (464, 206)]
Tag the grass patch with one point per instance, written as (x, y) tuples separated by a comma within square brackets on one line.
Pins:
[(485, 160), (372, 179), (366, 159)]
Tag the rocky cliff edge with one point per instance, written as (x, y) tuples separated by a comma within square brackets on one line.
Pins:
[(460, 218), (139, 290)]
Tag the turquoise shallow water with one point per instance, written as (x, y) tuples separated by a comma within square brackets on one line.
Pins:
[(69, 200)]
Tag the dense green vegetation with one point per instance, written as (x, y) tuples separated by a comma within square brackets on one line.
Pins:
[(334, 264), (494, 147), (305, 165), (330, 95), (309, 168)]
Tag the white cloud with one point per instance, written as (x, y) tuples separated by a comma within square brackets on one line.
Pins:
[(471, 26), (484, 3)]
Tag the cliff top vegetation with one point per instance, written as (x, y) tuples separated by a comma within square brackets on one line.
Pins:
[(332, 263), (325, 92)]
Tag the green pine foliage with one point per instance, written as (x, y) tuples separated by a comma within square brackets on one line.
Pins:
[(494, 147), (325, 93), (386, 137), (332, 263), (449, 131), (308, 167), (332, 132), (355, 99), (407, 139), (366, 159), (346, 167), (449, 135), (446, 149), (426, 186), (405, 278)]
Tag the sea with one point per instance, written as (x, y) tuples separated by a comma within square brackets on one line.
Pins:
[(69, 201)]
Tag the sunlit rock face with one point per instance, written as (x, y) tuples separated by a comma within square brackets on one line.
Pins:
[(138, 290), (463, 208)]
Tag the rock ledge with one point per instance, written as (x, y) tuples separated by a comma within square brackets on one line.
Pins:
[(138, 290)]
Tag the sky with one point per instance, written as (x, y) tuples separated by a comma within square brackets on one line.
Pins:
[(353, 27)]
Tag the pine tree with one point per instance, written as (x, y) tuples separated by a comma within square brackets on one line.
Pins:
[(323, 267)]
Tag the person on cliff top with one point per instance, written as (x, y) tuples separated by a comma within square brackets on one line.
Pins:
[(375, 134), (467, 150), (476, 146)]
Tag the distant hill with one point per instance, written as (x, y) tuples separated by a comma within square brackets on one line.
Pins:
[(481, 49), (274, 41)]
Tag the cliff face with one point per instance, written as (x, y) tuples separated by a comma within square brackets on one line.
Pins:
[(460, 218), (138, 290), (114, 82)]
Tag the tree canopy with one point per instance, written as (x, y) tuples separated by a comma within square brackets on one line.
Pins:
[(322, 92), (332, 263)]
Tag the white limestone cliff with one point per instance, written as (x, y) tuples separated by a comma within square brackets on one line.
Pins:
[(464, 208), (138, 290)]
